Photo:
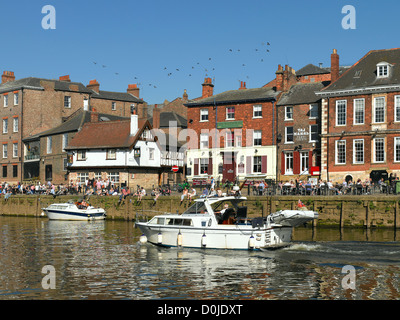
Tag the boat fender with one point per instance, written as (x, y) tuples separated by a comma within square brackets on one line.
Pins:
[(179, 240), (252, 242), (143, 239), (204, 241), (159, 238)]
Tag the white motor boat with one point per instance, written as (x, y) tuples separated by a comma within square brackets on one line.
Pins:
[(73, 211), (204, 226)]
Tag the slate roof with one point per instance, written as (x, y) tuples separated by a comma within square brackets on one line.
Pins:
[(34, 84), (118, 96), (237, 96), (166, 117), (301, 93), (106, 134), (74, 123), (311, 69), (362, 75)]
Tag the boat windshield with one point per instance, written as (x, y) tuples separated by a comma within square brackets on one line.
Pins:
[(197, 207)]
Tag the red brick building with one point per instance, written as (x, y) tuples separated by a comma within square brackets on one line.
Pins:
[(232, 135), (361, 119)]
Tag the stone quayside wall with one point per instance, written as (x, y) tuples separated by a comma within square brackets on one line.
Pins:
[(341, 211)]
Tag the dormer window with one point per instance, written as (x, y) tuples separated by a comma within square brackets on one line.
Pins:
[(383, 69)]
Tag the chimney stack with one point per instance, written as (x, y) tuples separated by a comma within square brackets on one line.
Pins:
[(65, 78), (94, 85), (156, 117), (94, 116), (133, 90), (279, 78), (7, 77), (134, 127), (334, 66), (242, 85), (208, 88)]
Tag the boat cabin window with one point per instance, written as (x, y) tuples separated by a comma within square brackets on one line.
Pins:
[(179, 222), (156, 220), (197, 207)]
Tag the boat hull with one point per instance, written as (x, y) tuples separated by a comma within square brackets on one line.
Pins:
[(81, 215), (229, 237)]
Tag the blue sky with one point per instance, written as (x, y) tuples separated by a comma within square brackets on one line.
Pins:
[(122, 42)]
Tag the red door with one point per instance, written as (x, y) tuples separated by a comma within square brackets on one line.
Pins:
[(229, 166)]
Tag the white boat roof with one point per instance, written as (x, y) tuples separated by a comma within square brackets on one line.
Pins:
[(212, 200)]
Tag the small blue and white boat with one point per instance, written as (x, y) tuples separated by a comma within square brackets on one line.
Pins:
[(73, 211)]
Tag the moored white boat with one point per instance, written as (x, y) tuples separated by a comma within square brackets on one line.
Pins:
[(73, 211), (203, 226)]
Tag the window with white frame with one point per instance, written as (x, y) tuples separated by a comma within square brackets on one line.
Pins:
[(238, 140), (289, 135), (15, 124), (81, 155), (304, 162), (257, 111), (203, 140), (15, 150), (49, 144), (359, 111), (230, 139), (340, 152), (341, 109), (313, 133), (379, 110), (203, 114), (6, 100), (64, 141), (204, 166), (382, 69), (5, 125), (113, 106), (397, 108), (379, 150), (288, 162), (16, 98), (5, 150), (397, 149), (314, 110), (67, 102), (257, 141), (257, 164), (151, 153), (289, 113), (230, 113), (358, 151), (111, 154)]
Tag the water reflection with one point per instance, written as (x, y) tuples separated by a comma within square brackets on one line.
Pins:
[(103, 260)]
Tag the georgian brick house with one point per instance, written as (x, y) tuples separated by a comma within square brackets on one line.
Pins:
[(361, 119), (232, 134)]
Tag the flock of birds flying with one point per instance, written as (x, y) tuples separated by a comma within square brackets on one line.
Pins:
[(208, 70)]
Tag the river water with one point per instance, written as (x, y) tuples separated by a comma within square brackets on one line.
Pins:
[(103, 260)]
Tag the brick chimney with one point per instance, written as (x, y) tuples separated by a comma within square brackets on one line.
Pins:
[(65, 78), (334, 66), (208, 88), (242, 85), (133, 90), (156, 117), (94, 85), (185, 96), (7, 77), (94, 116), (279, 78)]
